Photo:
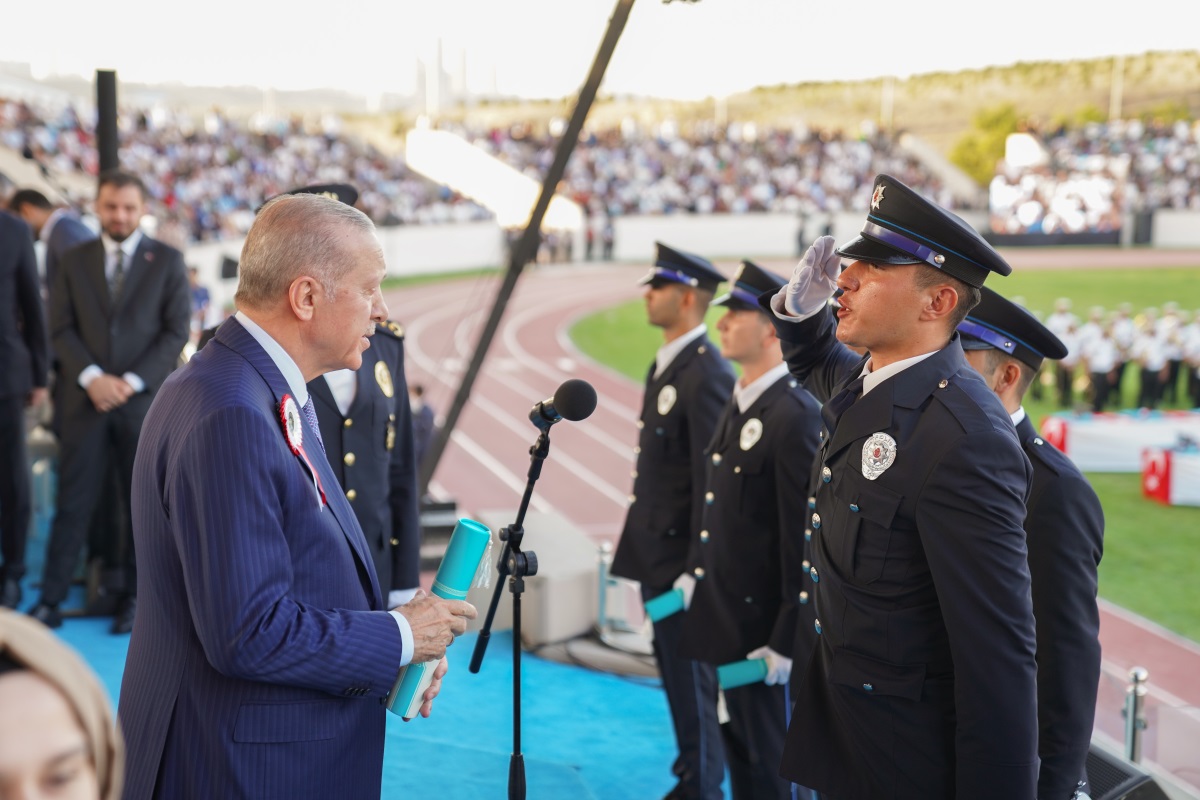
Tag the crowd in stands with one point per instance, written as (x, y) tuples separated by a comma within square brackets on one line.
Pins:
[(207, 174), (1092, 175), (1158, 348), (706, 169)]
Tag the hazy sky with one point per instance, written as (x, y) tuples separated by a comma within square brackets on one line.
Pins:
[(542, 48)]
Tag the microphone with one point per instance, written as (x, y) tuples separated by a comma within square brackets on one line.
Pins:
[(574, 400)]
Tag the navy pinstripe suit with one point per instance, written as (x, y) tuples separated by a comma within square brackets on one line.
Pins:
[(261, 651)]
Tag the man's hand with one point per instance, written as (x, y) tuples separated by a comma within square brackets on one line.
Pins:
[(779, 667), (685, 583), (435, 623), (37, 397), (108, 392), (434, 687), (814, 280)]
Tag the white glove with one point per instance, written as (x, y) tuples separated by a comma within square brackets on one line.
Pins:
[(685, 583), (779, 667), (814, 280)]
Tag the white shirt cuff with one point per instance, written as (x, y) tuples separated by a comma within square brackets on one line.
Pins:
[(398, 597), (89, 374), (406, 635), (135, 382), (781, 312)]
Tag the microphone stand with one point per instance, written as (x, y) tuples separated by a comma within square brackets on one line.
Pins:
[(516, 565)]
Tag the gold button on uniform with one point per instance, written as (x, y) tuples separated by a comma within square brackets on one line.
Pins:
[(347, 423), (395, 542), (351, 494), (348, 459)]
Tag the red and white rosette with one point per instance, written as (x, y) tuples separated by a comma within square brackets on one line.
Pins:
[(293, 432)]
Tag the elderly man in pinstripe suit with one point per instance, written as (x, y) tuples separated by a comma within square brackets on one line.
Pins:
[(264, 649)]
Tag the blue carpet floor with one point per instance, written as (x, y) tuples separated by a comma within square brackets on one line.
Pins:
[(584, 734)]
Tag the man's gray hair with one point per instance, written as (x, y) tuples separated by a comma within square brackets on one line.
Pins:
[(294, 235)]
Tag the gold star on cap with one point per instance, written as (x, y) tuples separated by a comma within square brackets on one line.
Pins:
[(877, 197)]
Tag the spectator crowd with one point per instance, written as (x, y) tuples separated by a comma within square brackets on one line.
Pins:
[(1092, 175)]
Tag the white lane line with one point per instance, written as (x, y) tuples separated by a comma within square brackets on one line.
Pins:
[(576, 467), (523, 318), (501, 472)]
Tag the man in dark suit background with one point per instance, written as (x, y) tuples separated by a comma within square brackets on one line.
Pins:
[(59, 228), (688, 385), (1064, 530), (760, 456), (23, 376), (119, 313), (922, 685)]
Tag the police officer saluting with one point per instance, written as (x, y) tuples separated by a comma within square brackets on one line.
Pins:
[(1064, 530), (922, 685), (758, 463), (687, 387)]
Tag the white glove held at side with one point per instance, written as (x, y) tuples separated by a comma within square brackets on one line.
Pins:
[(779, 667), (686, 583), (814, 280)]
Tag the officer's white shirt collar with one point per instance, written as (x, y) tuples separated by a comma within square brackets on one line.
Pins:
[(872, 378), (1018, 416), (343, 384), (666, 354), (747, 395), (286, 364)]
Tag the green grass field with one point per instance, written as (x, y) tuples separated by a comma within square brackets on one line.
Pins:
[(1152, 552)]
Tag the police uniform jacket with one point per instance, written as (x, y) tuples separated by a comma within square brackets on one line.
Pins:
[(1065, 533), (679, 414), (922, 683), (371, 452), (758, 463)]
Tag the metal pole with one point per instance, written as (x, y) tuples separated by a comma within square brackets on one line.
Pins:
[(526, 247), (1135, 720)]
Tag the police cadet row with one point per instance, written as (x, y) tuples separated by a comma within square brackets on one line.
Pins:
[(851, 542)]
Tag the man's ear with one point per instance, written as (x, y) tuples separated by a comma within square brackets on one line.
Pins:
[(942, 300), (1009, 376), (302, 297)]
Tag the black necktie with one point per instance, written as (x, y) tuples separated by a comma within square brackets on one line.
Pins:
[(114, 288), (832, 411)]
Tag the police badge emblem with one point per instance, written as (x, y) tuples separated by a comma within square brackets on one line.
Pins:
[(878, 453), (751, 433), (383, 376), (666, 400)]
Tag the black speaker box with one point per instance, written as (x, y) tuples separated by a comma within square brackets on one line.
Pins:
[(1111, 777)]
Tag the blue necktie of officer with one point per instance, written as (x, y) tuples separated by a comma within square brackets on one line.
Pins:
[(832, 411)]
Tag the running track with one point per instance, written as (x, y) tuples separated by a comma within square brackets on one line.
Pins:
[(587, 476)]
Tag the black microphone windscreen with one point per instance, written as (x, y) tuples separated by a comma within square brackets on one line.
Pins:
[(575, 400)]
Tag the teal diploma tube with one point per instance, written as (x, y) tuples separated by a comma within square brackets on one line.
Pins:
[(666, 604), (740, 673), (467, 546)]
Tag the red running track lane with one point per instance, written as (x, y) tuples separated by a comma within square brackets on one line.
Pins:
[(587, 475)]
